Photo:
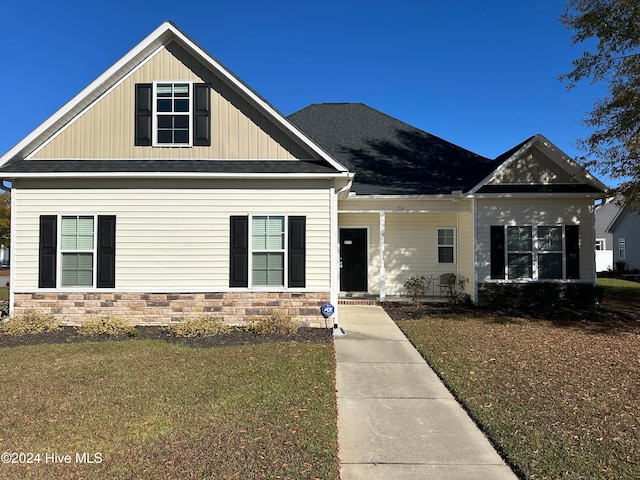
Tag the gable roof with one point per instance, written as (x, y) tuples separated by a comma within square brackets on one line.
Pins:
[(14, 161), (388, 156), (581, 180)]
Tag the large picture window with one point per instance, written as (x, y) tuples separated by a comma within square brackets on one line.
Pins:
[(77, 250), (267, 250), (535, 252)]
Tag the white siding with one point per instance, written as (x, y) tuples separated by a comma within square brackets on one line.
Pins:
[(511, 211), (175, 235)]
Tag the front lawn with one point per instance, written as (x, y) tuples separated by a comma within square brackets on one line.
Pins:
[(558, 397), (153, 409)]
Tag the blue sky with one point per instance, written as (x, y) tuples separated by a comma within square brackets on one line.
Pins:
[(480, 74)]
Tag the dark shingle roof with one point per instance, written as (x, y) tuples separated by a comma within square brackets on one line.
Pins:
[(388, 156), (169, 166)]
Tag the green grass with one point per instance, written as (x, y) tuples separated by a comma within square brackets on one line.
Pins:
[(159, 410), (621, 295), (558, 399)]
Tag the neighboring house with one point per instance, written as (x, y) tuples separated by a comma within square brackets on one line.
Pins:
[(168, 188), (625, 231), (606, 211)]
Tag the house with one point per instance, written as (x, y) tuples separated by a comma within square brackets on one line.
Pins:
[(625, 233), (168, 187), (605, 212)]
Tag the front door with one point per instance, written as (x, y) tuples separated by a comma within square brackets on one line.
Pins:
[(353, 259)]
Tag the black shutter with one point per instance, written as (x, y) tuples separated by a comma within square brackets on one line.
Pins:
[(106, 251), (144, 100), (47, 251), (201, 115), (297, 248), (239, 252), (572, 243), (497, 252)]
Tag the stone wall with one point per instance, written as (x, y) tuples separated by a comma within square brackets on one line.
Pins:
[(235, 308)]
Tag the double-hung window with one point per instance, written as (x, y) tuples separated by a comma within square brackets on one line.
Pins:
[(446, 245), (622, 249), (535, 252), (267, 250), (550, 252), (77, 249), (172, 106), (520, 252)]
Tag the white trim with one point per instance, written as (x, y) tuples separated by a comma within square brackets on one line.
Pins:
[(383, 274), (155, 114), (555, 155), (454, 246), (59, 252), (334, 253), (367, 248), (13, 233), (284, 250), (188, 175), (132, 61)]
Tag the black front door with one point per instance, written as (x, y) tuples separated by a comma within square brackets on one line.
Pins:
[(353, 259)]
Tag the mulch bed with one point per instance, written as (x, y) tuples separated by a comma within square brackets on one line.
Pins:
[(232, 338)]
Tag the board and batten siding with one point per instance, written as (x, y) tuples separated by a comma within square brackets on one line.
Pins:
[(534, 167), (523, 211), (106, 128), (175, 237)]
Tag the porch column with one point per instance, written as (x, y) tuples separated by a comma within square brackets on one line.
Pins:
[(382, 272)]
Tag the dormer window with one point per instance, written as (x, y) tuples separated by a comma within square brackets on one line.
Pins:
[(172, 114)]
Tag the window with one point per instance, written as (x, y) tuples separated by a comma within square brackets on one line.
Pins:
[(77, 250), (446, 243), (267, 250), (519, 252), (83, 254), (534, 252), (267, 247), (622, 249), (550, 252), (172, 113), (600, 244)]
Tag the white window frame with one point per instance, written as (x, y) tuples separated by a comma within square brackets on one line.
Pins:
[(622, 248), (62, 251), (283, 250), (535, 253), (601, 244), (538, 251), (452, 246), (156, 113)]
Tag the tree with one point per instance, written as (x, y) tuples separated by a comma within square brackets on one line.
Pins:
[(5, 218), (615, 61)]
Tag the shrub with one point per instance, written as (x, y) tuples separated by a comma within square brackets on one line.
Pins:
[(199, 326), (416, 287), (109, 324), (29, 322), (279, 320), (542, 297)]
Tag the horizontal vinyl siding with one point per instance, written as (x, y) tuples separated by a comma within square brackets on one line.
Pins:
[(411, 247), (172, 238), (535, 212), (629, 229), (238, 130), (466, 250)]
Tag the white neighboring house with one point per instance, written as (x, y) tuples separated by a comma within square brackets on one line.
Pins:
[(605, 213)]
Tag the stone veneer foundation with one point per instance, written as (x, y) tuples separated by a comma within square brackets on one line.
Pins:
[(235, 308)]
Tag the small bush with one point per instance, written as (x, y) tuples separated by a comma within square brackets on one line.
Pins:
[(416, 286), (542, 297), (29, 322), (109, 324), (277, 321), (201, 326)]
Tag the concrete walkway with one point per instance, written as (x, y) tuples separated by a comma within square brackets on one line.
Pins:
[(396, 420)]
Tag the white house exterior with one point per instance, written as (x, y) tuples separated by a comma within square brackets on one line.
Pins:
[(168, 188)]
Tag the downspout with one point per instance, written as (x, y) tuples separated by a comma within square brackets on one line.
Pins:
[(334, 256), (11, 249), (383, 280)]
